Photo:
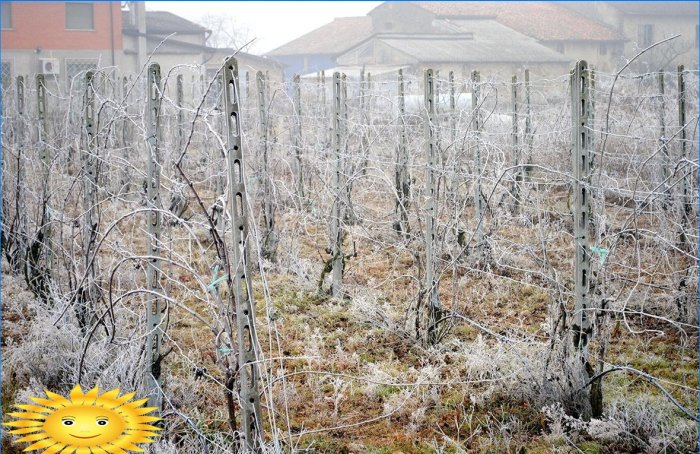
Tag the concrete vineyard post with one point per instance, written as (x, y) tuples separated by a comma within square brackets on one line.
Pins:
[(663, 142), (528, 128), (91, 218), (478, 168), (338, 187), (686, 170), (153, 316), (581, 157), (515, 140), (46, 158), (240, 268), (403, 180), (297, 139), (431, 284), (20, 206), (269, 245)]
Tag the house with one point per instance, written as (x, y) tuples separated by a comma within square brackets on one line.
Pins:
[(318, 49), (98, 35), (61, 40), (552, 25), (645, 23), (460, 46), (180, 47), (491, 36)]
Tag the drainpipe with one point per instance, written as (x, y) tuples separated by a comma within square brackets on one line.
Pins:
[(111, 31), (140, 8)]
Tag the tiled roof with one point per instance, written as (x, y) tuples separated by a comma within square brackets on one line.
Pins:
[(163, 22), (488, 42), (658, 8), (333, 38), (541, 20)]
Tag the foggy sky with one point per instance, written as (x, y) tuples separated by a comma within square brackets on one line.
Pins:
[(271, 23)]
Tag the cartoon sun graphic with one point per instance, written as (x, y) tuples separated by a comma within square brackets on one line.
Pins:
[(88, 423)]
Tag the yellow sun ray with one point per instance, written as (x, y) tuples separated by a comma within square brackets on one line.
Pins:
[(33, 408), (26, 430), (48, 402), (27, 423), (55, 448), (85, 423), (34, 437), (27, 415), (59, 399), (41, 444)]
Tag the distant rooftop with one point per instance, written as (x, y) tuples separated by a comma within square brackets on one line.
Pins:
[(544, 21), (161, 22), (333, 38), (660, 8), (487, 42)]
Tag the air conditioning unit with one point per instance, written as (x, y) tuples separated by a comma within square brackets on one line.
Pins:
[(49, 66)]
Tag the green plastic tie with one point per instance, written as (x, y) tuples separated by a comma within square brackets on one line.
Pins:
[(216, 281), (602, 253)]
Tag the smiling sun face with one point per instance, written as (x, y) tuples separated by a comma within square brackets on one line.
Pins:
[(104, 422)]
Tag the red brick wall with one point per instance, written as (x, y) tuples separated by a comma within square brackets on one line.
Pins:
[(42, 25)]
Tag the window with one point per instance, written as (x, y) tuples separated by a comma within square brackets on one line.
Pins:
[(559, 47), (79, 16), (6, 75), (6, 14), (645, 35), (75, 72), (603, 49), (696, 36)]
